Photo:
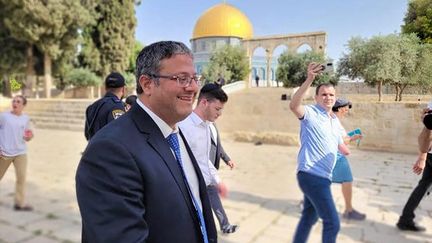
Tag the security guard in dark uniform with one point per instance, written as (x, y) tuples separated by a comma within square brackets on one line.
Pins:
[(108, 108)]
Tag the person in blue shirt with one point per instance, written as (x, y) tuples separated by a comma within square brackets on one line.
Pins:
[(320, 141)]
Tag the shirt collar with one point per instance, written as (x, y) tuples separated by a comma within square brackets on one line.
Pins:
[(163, 126), (324, 112), (197, 120)]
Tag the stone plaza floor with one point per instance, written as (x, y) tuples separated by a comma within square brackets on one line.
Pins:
[(263, 194)]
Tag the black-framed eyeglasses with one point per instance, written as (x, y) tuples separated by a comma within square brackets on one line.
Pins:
[(182, 80)]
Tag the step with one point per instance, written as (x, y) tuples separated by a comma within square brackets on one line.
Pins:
[(65, 114), (60, 126), (40, 120)]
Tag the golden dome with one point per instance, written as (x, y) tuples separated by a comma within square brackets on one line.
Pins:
[(223, 20)]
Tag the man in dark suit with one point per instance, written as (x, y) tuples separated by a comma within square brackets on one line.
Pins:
[(138, 180)]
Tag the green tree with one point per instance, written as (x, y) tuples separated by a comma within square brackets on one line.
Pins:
[(230, 62), (409, 47), (51, 27), (133, 56), (81, 77), (375, 60), (12, 58), (110, 40), (292, 68), (423, 70), (418, 19), (391, 59)]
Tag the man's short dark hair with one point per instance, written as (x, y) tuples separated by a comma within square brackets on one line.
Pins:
[(212, 92), (131, 99), (149, 59), (23, 98), (328, 85)]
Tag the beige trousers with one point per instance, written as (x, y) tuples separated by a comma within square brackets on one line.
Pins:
[(20, 164)]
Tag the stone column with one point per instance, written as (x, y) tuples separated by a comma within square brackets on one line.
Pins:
[(268, 63)]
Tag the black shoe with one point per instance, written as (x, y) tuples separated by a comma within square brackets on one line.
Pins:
[(410, 227), (23, 208), (230, 229)]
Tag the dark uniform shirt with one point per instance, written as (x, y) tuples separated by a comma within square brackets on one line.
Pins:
[(101, 112)]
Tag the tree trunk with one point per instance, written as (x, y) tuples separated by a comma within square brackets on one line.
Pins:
[(47, 74), (7, 91), (397, 87), (380, 98), (401, 91), (30, 72)]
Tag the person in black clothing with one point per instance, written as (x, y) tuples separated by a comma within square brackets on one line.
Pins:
[(220, 81), (129, 101), (108, 108), (423, 163)]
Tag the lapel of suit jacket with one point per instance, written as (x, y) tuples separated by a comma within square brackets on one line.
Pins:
[(156, 140), (206, 207), (217, 144)]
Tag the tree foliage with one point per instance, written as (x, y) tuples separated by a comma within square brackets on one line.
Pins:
[(50, 27), (138, 46), (230, 62), (422, 74), (418, 19), (293, 66), (110, 40), (81, 77), (392, 59)]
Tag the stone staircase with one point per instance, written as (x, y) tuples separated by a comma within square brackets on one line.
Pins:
[(61, 114)]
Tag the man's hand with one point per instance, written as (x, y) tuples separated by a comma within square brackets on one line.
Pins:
[(222, 189), (313, 70), (28, 135), (419, 165), (295, 105), (231, 164), (356, 137)]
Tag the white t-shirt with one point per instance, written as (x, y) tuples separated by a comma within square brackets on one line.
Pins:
[(12, 129)]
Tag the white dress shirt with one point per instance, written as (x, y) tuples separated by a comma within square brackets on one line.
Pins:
[(197, 134), (189, 170)]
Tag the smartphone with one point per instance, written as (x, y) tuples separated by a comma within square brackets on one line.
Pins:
[(327, 67)]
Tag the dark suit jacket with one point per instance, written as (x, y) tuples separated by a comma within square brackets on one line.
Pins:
[(130, 187), (217, 151)]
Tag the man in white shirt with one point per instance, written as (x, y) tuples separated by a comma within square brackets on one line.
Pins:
[(196, 128), (15, 131)]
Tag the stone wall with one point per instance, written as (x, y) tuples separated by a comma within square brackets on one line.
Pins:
[(362, 88), (259, 115)]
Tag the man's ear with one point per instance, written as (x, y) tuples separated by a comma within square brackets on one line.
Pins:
[(146, 84)]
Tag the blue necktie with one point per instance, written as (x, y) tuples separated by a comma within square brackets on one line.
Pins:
[(174, 144)]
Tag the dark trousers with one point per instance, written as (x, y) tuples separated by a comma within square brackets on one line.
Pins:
[(217, 207), (418, 193)]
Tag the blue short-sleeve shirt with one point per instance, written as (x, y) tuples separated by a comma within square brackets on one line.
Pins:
[(319, 136)]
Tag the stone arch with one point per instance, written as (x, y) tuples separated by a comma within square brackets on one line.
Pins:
[(259, 63), (316, 40), (303, 48)]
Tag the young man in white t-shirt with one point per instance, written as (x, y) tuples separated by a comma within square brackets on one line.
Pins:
[(15, 131)]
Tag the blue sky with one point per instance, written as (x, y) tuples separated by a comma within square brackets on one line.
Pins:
[(341, 19)]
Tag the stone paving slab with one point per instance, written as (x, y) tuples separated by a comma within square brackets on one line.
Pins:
[(264, 196)]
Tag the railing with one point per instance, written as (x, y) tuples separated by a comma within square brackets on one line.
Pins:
[(234, 87)]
